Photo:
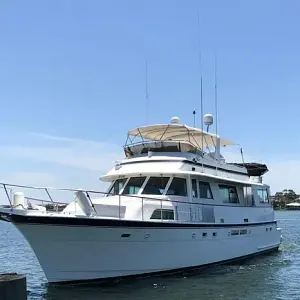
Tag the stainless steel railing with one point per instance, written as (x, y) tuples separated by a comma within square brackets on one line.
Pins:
[(191, 210)]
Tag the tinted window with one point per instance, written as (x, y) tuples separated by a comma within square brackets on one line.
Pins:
[(263, 195), (228, 194), (155, 185), (133, 186), (117, 187), (163, 214), (204, 190), (178, 187), (194, 188)]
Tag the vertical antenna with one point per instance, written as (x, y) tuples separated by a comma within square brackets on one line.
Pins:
[(194, 113), (216, 95), (146, 93), (217, 146), (201, 88)]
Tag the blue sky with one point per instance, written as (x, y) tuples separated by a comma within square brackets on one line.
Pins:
[(72, 81)]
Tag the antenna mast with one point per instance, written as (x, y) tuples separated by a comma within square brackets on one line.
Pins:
[(216, 95), (201, 88), (146, 93)]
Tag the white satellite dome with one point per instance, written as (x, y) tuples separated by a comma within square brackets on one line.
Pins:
[(175, 120), (208, 119)]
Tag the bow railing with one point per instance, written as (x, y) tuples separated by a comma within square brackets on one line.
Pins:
[(133, 207)]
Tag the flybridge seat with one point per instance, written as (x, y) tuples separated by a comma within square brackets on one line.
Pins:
[(159, 146), (253, 169)]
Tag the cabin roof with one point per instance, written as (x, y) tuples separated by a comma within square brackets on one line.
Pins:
[(178, 132), (228, 180)]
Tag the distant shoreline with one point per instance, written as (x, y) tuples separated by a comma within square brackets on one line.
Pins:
[(285, 209)]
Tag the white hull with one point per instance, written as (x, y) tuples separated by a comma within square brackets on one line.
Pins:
[(72, 253)]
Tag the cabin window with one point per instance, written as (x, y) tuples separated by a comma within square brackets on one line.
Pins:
[(263, 195), (194, 188), (133, 186), (228, 194), (155, 185), (117, 186), (178, 187), (248, 196), (205, 191), (235, 232), (163, 214)]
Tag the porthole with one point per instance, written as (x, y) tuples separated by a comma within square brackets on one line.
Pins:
[(125, 235)]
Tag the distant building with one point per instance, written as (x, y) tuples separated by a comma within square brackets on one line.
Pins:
[(293, 206)]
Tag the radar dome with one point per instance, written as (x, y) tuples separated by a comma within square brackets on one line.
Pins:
[(175, 120), (208, 119)]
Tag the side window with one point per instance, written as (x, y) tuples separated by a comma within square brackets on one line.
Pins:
[(263, 195), (194, 188), (155, 185), (248, 195), (163, 214), (228, 194), (117, 186), (133, 186), (204, 190), (178, 187), (260, 195)]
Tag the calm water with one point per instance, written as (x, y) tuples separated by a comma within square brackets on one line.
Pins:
[(269, 277)]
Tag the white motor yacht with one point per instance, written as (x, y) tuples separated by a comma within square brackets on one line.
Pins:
[(173, 204)]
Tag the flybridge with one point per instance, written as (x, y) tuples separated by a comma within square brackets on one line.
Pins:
[(177, 132), (173, 137)]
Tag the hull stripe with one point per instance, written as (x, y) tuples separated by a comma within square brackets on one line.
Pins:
[(94, 222)]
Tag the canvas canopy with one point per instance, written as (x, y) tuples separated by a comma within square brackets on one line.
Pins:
[(178, 132)]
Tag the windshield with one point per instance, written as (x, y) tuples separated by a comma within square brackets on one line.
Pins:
[(133, 186), (117, 186)]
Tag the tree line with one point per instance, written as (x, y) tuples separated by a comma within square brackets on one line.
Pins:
[(281, 199)]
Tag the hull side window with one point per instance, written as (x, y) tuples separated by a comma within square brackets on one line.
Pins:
[(163, 214)]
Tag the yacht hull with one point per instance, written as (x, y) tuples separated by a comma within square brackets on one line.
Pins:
[(71, 253)]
